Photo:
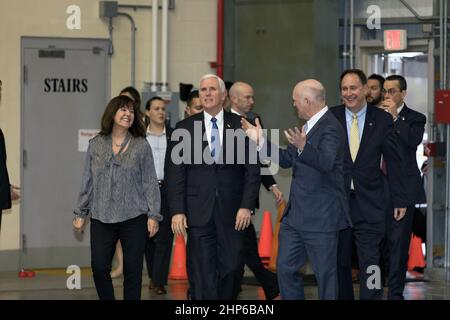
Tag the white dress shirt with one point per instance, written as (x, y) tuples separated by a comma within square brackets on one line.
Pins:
[(158, 142), (313, 120), (208, 126)]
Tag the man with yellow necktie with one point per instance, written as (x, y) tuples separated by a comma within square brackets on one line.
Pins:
[(369, 138)]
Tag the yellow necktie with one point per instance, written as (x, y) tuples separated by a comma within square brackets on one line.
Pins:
[(354, 138)]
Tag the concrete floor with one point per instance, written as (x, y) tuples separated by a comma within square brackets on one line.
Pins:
[(51, 285)]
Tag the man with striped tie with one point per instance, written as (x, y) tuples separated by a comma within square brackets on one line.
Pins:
[(212, 196)]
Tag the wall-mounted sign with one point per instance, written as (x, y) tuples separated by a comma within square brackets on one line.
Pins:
[(84, 135), (395, 40), (65, 85)]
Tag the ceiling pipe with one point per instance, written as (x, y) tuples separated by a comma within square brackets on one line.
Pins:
[(416, 15), (352, 31), (218, 64), (133, 46), (345, 52), (164, 40), (154, 46), (220, 24)]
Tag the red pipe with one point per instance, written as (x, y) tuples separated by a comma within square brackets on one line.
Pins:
[(220, 23)]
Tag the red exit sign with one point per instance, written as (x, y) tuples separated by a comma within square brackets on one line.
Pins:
[(395, 40)]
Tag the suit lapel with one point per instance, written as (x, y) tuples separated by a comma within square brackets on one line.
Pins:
[(316, 126), (340, 116), (204, 137), (404, 113), (369, 124), (227, 124), (168, 134)]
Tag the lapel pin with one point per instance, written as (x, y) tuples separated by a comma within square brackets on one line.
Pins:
[(370, 124), (228, 126)]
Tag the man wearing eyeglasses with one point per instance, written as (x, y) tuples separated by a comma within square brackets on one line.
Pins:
[(409, 126)]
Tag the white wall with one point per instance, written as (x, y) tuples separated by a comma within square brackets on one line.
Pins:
[(192, 45)]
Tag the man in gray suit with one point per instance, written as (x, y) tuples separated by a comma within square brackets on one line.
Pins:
[(318, 206)]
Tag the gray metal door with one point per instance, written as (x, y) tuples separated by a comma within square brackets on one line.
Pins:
[(65, 87)]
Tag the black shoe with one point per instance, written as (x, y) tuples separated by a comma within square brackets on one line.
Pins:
[(188, 294), (272, 293), (159, 290)]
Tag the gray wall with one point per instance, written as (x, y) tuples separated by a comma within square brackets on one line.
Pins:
[(273, 45)]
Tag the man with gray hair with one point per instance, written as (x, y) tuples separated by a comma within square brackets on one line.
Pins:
[(213, 200), (318, 206)]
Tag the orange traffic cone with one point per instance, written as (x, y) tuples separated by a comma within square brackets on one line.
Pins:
[(178, 268), (265, 239), (274, 255), (416, 258)]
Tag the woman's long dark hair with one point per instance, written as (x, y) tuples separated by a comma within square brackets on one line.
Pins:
[(134, 95), (137, 129)]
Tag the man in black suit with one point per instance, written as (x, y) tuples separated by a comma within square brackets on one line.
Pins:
[(242, 102), (369, 138), (409, 126), (210, 192), (7, 192)]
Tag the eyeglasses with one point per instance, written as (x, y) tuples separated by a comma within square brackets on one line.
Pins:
[(391, 92)]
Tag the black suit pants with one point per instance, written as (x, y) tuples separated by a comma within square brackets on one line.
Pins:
[(159, 248), (133, 236), (398, 238), (267, 279), (215, 254), (368, 238)]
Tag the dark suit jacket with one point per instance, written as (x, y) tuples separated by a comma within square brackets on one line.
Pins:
[(317, 201), (5, 191), (193, 189), (370, 191), (267, 180), (169, 131), (409, 129)]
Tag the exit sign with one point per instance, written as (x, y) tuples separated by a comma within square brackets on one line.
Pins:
[(395, 40)]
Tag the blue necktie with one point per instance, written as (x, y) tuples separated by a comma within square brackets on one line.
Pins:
[(215, 140)]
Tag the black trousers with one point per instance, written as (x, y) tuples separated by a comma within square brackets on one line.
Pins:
[(215, 251), (368, 238), (267, 279), (398, 239), (133, 236), (159, 248)]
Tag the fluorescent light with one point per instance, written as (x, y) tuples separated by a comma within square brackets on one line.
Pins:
[(405, 54)]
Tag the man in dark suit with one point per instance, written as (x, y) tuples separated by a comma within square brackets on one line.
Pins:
[(318, 206), (375, 93), (369, 137), (409, 126), (242, 101), (7, 192), (212, 194)]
